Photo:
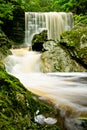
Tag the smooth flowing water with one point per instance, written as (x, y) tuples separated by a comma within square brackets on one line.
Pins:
[(67, 91), (54, 22)]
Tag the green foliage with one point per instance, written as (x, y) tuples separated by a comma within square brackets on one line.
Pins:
[(7, 7), (6, 11), (80, 19), (57, 5)]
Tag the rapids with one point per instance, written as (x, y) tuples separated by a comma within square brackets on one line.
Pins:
[(67, 91)]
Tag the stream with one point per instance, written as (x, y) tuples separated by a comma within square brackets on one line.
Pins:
[(67, 91)]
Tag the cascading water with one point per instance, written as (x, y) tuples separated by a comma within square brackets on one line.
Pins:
[(67, 91), (55, 23)]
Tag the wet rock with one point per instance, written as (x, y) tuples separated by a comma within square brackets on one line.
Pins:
[(49, 45), (43, 120), (38, 40)]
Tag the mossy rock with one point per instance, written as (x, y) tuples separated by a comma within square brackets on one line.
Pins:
[(38, 41), (75, 42), (18, 106)]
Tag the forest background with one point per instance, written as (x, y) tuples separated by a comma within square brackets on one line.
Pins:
[(7, 7)]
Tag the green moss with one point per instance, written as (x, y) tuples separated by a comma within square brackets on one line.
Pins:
[(72, 38), (5, 45)]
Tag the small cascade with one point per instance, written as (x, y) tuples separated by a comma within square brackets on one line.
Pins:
[(54, 22), (23, 61)]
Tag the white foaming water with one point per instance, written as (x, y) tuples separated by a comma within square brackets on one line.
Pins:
[(68, 91)]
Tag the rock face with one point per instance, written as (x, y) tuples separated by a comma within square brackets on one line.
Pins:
[(59, 60), (67, 55)]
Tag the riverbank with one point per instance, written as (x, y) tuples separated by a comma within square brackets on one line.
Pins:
[(18, 106)]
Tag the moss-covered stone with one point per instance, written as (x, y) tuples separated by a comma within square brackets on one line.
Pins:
[(38, 40), (75, 42)]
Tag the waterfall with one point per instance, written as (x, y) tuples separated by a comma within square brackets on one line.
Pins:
[(54, 22)]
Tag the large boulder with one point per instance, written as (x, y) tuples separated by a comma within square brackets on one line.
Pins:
[(59, 60), (67, 55)]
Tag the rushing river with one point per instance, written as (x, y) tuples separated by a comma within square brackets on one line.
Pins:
[(67, 91)]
